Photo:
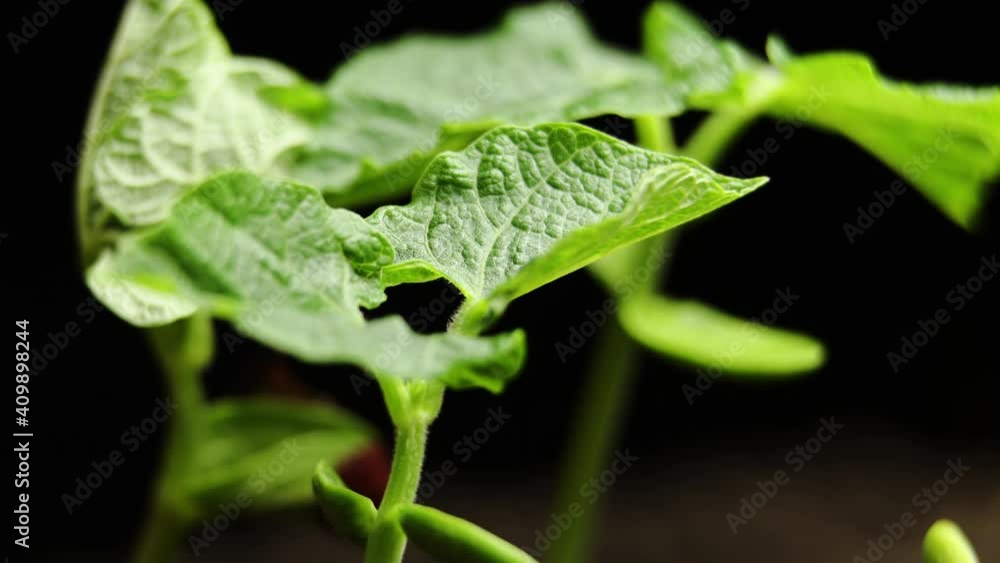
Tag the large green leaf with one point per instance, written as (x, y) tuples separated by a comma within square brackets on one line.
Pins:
[(523, 207), (393, 107), (291, 272), (944, 139), (268, 449), (703, 336), (174, 107)]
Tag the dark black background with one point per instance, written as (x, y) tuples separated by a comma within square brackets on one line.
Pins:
[(859, 299)]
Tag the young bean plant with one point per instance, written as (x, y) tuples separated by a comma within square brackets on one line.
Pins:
[(221, 187)]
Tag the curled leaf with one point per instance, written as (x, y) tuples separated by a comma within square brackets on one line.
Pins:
[(350, 514), (450, 539)]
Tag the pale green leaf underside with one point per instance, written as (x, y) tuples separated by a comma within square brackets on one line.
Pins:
[(176, 107), (689, 55), (946, 543), (289, 271), (393, 107), (703, 336), (523, 207), (284, 440), (157, 42), (944, 139)]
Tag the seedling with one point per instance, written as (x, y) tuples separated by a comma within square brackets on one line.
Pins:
[(216, 186)]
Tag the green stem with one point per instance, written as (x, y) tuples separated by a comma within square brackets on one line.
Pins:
[(170, 515), (413, 407), (716, 133), (607, 389), (162, 532), (597, 426), (654, 133)]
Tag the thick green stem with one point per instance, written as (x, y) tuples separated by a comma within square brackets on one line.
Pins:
[(716, 133), (597, 426), (162, 533), (387, 540), (654, 133), (413, 407), (180, 351)]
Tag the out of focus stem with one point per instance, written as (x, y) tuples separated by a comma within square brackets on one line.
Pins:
[(607, 389), (612, 373), (170, 516), (708, 143), (597, 427)]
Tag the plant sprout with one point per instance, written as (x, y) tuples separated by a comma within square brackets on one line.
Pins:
[(217, 186)]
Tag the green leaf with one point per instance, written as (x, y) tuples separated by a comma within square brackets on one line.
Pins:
[(156, 43), (289, 271), (450, 539), (267, 449), (689, 54), (523, 207), (174, 107), (945, 543), (944, 139), (215, 121), (394, 107), (351, 515), (703, 336)]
